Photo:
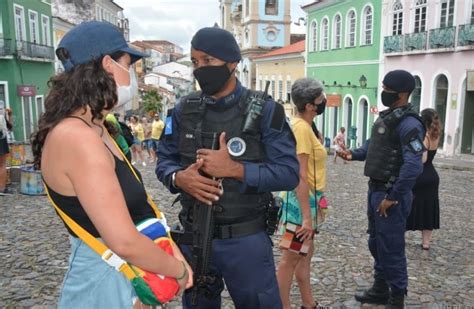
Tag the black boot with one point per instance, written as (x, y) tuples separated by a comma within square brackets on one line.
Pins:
[(377, 294), (395, 301)]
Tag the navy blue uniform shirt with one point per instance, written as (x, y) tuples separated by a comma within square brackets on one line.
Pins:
[(412, 165), (279, 170)]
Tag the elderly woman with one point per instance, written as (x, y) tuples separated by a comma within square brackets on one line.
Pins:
[(299, 218)]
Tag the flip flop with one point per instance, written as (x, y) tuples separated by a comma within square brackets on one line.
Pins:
[(424, 247)]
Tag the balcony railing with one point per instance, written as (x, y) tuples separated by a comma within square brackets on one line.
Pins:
[(465, 35), (32, 50), (415, 41), (442, 37), (393, 44), (6, 47)]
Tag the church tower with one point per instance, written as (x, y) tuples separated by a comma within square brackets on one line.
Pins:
[(259, 26)]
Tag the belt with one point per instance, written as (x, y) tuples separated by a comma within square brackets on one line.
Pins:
[(226, 231), (376, 185)]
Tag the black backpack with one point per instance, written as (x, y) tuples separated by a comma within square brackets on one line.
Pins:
[(126, 133)]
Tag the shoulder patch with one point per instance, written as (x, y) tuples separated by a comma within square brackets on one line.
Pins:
[(278, 117), (414, 142)]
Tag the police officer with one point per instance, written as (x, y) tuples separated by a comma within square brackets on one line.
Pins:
[(250, 166), (393, 158)]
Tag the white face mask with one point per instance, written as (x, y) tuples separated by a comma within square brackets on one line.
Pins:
[(126, 93)]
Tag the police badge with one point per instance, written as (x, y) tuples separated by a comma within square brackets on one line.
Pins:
[(236, 146)]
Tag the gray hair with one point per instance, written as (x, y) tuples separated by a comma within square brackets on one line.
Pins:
[(304, 91)]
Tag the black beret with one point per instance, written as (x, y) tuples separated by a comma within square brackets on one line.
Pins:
[(399, 81), (218, 43)]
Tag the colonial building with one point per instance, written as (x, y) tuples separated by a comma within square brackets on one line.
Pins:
[(67, 14), (26, 60), (281, 67), (434, 40), (259, 26), (343, 51)]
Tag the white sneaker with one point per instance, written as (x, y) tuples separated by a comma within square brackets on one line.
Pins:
[(143, 163), (133, 162)]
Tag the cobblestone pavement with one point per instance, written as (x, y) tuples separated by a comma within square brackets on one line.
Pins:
[(34, 246)]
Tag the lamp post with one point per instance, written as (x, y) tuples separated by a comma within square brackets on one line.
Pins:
[(363, 81)]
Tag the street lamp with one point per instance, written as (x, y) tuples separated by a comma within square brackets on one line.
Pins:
[(363, 81)]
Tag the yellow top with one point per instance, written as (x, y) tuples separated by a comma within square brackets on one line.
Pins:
[(156, 128), (138, 130), (307, 143)]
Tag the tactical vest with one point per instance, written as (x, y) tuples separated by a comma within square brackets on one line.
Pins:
[(384, 156), (199, 121)]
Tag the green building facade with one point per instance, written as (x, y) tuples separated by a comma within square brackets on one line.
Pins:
[(26, 60), (343, 51)]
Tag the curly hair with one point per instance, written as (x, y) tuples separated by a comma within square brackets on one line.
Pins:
[(432, 122), (85, 85)]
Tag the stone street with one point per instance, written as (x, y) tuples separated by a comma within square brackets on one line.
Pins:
[(34, 246)]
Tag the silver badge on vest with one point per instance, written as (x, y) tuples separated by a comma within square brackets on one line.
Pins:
[(381, 130), (236, 146)]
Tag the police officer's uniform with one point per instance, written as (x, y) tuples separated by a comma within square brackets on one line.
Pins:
[(393, 158), (241, 249)]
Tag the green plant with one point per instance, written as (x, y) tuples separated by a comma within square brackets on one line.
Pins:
[(151, 101)]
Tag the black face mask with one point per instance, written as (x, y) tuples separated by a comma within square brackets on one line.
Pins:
[(388, 98), (321, 107), (211, 79)]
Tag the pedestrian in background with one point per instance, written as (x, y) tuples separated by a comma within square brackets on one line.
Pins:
[(157, 127), (393, 156), (299, 208), (139, 137), (113, 127), (147, 142), (339, 142), (86, 175), (424, 215), (252, 161), (5, 127)]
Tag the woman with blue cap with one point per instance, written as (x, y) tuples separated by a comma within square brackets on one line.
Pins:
[(88, 178)]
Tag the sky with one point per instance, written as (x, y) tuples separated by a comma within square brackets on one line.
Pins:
[(177, 20)]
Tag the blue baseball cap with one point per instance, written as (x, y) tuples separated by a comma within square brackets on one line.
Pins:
[(218, 43), (92, 40)]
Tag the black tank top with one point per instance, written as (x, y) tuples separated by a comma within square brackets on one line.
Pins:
[(133, 191)]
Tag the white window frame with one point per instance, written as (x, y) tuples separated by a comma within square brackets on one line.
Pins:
[(313, 32), (324, 44), (18, 27), (288, 87), (1, 25), (364, 26), (350, 33), (34, 23), (36, 106), (420, 5), (337, 32), (272, 87), (280, 88), (445, 23), (46, 32), (5, 85), (397, 18)]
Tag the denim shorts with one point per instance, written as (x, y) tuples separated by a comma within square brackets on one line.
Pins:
[(91, 283)]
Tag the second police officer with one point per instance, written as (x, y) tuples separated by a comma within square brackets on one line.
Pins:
[(393, 161), (251, 164)]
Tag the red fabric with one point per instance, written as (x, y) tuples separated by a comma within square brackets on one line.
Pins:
[(164, 288)]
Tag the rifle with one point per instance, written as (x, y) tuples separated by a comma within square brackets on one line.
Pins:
[(203, 230)]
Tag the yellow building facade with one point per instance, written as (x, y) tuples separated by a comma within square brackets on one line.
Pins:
[(281, 67)]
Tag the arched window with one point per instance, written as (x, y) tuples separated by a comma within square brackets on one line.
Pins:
[(447, 13), (325, 34), (441, 101), (271, 7), (367, 26), (336, 30), (351, 28), (397, 18), (420, 16), (313, 43), (416, 94)]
